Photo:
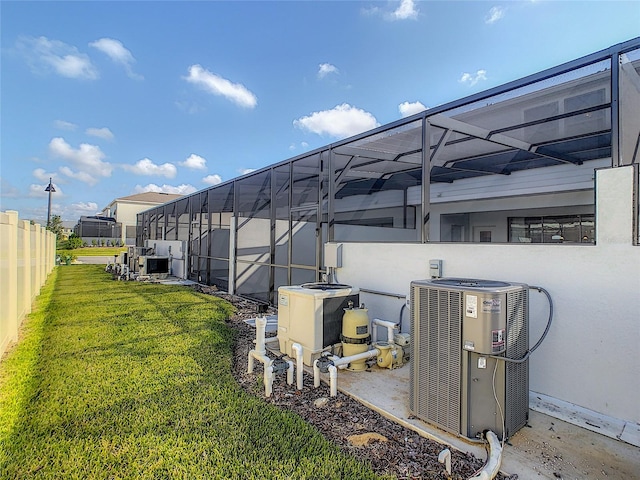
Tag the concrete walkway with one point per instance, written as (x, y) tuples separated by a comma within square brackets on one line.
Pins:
[(547, 448)]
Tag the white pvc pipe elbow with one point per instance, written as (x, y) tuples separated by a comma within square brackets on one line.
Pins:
[(491, 468), (390, 326)]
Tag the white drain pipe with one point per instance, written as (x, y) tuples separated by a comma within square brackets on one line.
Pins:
[(491, 468), (343, 362), (316, 374), (297, 349), (390, 326), (260, 354), (333, 380), (340, 363)]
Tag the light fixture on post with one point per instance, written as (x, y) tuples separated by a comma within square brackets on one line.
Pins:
[(50, 188)]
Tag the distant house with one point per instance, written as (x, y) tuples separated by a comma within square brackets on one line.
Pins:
[(99, 230), (67, 229), (124, 211)]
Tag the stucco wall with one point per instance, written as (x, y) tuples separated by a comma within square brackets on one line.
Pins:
[(590, 356)]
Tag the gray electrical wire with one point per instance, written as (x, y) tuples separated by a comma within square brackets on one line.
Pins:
[(544, 334)]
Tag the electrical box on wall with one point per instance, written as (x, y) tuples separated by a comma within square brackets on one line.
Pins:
[(435, 268), (333, 255)]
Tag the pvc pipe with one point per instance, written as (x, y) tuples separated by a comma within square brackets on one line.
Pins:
[(445, 457), (254, 354), (333, 380), (268, 380), (339, 361), (290, 373), (491, 468), (316, 374), (297, 349), (390, 326), (261, 325), (343, 362)]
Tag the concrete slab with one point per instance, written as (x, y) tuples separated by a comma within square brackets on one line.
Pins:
[(548, 448)]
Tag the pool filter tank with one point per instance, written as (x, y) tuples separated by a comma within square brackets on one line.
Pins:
[(355, 336)]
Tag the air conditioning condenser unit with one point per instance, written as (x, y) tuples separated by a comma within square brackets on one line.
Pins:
[(311, 315), (458, 328)]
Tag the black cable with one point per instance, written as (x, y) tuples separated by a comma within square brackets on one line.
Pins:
[(544, 334)]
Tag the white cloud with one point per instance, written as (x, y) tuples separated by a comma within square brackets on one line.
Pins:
[(44, 55), (64, 125), (116, 51), (82, 208), (471, 79), (409, 108), (244, 171), (495, 14), (212, 179), (82, 176), (325, 69), (342, 121), (194, 162), (88, 159), (183, 189), (44, 176), (103, 132), (38, 191), (303, 146), (147, 167), (217, 85), (406, 10)]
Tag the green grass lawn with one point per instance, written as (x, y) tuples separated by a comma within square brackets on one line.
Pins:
[(116, 380)]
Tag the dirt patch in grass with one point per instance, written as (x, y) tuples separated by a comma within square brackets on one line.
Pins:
[(405, 454)]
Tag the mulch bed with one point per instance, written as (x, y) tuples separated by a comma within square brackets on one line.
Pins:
[(405, 454)]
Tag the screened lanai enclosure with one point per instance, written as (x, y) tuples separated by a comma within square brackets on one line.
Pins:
[(514, 164)]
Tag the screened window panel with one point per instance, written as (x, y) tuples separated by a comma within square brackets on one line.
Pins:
[(282, 191), (300, 276), (253, 281), (254, 218), (303, 236), (171, 221)]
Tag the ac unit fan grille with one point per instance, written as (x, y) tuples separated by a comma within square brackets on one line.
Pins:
[(435, 369), (517, 374)]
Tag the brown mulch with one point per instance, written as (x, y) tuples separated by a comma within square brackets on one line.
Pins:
[(404, 454)]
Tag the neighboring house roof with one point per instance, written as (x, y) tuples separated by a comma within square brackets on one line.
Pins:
[(149, 197)]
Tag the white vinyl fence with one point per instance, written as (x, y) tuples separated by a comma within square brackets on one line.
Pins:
[(27, 257)]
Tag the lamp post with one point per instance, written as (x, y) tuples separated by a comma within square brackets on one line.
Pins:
[(50, 188)]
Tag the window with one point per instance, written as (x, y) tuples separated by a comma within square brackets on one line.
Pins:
[(552, 229)]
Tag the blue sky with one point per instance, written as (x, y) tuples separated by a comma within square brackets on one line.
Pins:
[(115, 98)]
